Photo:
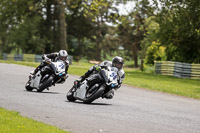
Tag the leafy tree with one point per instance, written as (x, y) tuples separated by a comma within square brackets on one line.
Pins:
[(11, 14), (62, 24), (150, 45), (132, 28), (27, 23), (179, 30), (155, 52), (111, 43), (25, 37), (98, 11), (80, 31)]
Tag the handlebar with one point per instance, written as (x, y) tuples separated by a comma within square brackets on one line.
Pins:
[(48, 61)]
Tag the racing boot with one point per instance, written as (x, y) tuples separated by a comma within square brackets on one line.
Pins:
[(109, 94), (81, 79)]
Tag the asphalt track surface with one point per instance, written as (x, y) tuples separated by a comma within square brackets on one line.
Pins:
[(132, 110)]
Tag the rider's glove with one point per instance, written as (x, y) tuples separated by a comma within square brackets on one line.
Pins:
[(80, 79), (97, 68), (109, 95), (48, 61)]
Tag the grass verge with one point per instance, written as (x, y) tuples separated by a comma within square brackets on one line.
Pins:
[(12, 122), (167, 84)]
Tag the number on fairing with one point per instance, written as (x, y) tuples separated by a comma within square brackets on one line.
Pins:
[(113, 75), (62, 66)]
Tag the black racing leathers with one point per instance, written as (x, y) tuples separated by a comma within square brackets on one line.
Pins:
[(54, 57), (95, 78)]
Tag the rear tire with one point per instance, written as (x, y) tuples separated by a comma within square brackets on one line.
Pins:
[(45, 84), (27, 86), (70, 95), (95, 96)]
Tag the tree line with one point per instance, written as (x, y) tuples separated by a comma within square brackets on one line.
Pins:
[(95, 29)]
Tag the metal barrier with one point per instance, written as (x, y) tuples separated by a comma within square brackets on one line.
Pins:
[(178, 69), (28, 57)]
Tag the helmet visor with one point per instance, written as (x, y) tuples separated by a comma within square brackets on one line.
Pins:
[(118, 65), (63, 58)]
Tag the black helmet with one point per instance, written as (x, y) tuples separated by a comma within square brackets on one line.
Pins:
[(62, 55), (117, 62)]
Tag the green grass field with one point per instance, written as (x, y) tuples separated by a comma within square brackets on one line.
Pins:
[(12, 122), (178, 86)]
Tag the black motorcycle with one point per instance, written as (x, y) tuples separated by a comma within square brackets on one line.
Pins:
[(87, 94), (46, 77)]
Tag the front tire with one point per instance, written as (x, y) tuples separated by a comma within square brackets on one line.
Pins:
[(45, 84), (98, 93), (70, 95), (27, 86)]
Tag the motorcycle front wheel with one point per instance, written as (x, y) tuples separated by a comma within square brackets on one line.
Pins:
[(92, 95), (45, 84), (27, 86), (70, 96)]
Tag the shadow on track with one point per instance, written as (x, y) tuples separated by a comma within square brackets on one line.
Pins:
[(79, 102), (42, 92)]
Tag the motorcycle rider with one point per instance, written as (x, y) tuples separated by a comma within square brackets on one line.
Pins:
[(61, 55), (116, 62)]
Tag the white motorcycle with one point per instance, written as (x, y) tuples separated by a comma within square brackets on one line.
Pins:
[(46, 77), (87, 94)]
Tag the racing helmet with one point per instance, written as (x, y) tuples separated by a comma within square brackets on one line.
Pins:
[(117, 62), (62, 55)]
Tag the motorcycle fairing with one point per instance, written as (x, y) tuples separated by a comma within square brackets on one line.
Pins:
[(81, 91), (35, 83)]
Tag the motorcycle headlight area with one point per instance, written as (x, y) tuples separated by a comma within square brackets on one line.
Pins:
[(60, 74), (113, 85)]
